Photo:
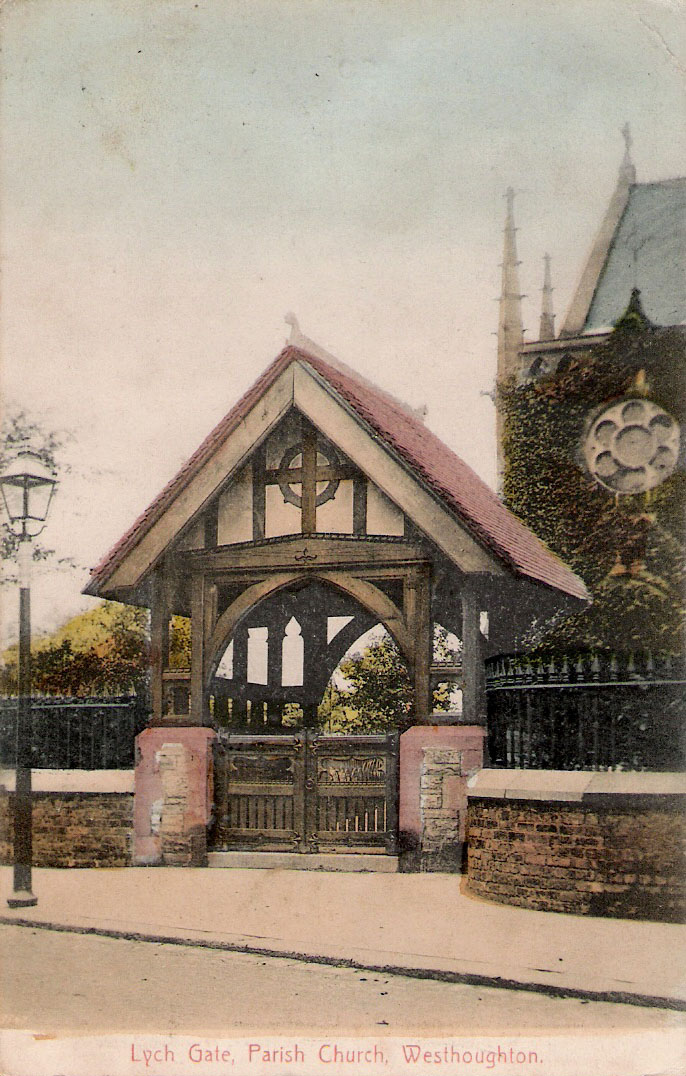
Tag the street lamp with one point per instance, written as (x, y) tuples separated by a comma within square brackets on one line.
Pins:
[(27, 488)]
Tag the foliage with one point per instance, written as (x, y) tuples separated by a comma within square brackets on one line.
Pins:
[(103, 651), (629, 550), (378, 695), (180, 643)]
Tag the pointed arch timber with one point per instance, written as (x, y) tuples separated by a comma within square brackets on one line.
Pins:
[(369, 596)]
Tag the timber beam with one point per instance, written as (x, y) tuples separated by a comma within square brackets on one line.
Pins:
[(307, 551)]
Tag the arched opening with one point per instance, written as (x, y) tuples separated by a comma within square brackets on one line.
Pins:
[(275, 670), (292, 655), (258, 657), (370, 689)]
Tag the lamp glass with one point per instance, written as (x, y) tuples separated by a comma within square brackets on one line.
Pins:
[(39, 495), (13, 496), (27, 488)]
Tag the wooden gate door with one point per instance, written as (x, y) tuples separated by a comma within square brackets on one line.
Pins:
[(306, 793)]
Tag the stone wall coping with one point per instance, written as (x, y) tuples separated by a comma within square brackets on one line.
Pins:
[(112, 781), (573, 786)]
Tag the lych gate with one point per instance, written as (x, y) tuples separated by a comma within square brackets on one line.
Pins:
[(319, 508)]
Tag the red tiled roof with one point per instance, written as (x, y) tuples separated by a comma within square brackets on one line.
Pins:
[(445, 474)]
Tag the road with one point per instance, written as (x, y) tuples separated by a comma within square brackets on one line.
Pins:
[(83, 983)]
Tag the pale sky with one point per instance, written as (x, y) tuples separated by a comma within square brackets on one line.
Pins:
[(177, 176)]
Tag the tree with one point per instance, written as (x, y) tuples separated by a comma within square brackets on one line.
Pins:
[(103, 651), (378, 695)]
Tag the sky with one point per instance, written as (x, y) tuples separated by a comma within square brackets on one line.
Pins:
[(177, 176)]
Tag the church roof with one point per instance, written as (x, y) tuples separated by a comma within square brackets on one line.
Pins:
[(401, 432), (646, 252)]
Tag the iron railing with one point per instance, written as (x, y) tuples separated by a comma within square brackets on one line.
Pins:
[(93, 733), (587, 712)]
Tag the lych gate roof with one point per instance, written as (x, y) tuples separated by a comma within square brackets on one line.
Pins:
[(403, 435), (647, 252)]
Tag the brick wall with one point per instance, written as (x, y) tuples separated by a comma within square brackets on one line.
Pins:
[(618, 857), (80, 818), (74, 829)]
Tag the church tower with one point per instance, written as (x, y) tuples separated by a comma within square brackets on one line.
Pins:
[(592, 426)]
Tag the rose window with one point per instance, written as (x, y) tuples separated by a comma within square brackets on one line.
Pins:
[(632, 446)]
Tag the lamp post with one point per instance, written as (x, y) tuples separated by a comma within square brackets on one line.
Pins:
[(27, 488)]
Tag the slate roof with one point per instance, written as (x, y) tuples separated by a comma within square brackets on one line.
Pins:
[(647, 252), (395, 425)]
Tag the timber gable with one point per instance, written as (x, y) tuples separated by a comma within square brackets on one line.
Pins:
[(313, 449)]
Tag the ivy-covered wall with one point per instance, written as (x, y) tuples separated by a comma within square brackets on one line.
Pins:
[(629, 549)]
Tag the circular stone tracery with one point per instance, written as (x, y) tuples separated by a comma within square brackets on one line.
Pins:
[(632, 446), (292, 460)]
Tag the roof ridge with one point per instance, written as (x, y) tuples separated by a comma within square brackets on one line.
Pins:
[(476, 526), (660, 182), (317, 352)]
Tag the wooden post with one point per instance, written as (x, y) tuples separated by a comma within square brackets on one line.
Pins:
[(258, 494), (211, 524), (314, 657), (417, 607), (275, 634), (198, 627), (159, 644), (239, 709), (360, 505), (309, 479), (473, 669)]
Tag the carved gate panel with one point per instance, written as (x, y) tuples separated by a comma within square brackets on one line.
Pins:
[(258, 792), (306, 793), (351, 793)]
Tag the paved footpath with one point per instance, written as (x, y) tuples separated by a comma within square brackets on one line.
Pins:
[(413, 924)]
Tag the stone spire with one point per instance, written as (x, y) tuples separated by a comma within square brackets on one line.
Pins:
[(510, 329), (547, 327)]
